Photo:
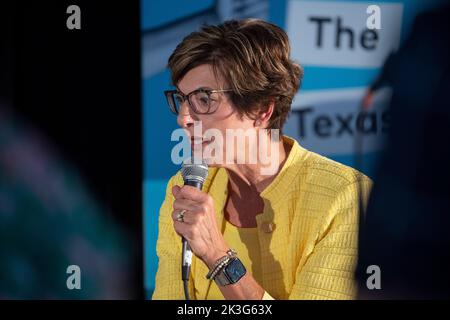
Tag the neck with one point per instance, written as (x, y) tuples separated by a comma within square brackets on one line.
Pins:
[(251, 178)]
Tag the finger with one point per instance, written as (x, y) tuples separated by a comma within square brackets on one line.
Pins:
[(176, 191), (188, 217), (192, 193), (184, 230), (175, 215), (180, 229), (180, 204)]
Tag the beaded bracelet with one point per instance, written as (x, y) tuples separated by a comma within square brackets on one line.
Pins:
[(221, 263)]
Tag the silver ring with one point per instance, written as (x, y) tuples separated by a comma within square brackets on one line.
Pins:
[(180, 215)]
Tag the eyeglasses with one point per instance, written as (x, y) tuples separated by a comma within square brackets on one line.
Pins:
[(201, 101)]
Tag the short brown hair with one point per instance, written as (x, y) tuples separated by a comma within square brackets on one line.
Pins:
[(252, 56)]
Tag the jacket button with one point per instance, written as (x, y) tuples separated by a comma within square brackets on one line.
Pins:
[(268, 227)]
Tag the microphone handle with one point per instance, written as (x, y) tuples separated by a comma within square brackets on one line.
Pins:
[(186, 250), (186, 260)]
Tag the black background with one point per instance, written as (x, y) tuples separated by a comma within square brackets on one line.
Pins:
[(81, 89)]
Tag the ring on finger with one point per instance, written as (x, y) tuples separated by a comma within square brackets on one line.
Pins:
[(180, 215)]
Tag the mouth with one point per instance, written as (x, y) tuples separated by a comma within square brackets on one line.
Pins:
[(200, 141)]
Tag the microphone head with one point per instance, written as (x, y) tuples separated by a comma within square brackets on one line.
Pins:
[(194, 170)]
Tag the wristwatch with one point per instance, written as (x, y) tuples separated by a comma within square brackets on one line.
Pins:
[(231, 273)]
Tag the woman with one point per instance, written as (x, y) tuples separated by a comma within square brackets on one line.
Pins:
[(289, 234)]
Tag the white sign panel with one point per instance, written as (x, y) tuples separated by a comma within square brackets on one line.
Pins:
[(331, 122), (326, 33)]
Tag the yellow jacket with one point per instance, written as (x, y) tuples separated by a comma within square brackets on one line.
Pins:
[(308, 231)]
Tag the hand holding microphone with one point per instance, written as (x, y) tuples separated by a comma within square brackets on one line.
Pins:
[(195, 219)]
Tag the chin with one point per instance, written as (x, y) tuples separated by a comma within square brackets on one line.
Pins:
[(215, 164)]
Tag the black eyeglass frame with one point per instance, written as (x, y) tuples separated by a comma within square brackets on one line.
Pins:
[(170, 97)]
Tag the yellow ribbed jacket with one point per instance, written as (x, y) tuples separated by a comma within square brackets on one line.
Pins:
[(308, 231)]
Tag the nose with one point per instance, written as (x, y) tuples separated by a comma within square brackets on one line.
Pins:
[(184, 118)]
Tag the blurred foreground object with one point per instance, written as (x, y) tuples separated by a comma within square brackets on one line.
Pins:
[(406, 228), (49, 221)]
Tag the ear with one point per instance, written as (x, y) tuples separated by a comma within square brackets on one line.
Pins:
[(263, 116)]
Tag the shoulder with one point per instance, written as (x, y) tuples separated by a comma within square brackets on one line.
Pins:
[(325, 181), (331, 192), (320, 169), (311, 166)]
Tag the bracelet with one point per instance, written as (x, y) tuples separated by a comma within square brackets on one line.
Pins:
[(219, 267), (220, 264), (215, 266)]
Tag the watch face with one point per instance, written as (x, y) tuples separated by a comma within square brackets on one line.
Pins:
[(235, 270)]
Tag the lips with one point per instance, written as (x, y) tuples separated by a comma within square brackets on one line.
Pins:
[(199, 141)]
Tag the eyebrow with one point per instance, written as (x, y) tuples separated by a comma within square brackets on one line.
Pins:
[(199, 88)]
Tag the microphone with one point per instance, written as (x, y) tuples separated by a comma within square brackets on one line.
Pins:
[(194, 173)]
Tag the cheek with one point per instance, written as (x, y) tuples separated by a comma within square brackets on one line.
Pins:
[(237, 122), (231, 119), (225, 119)]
